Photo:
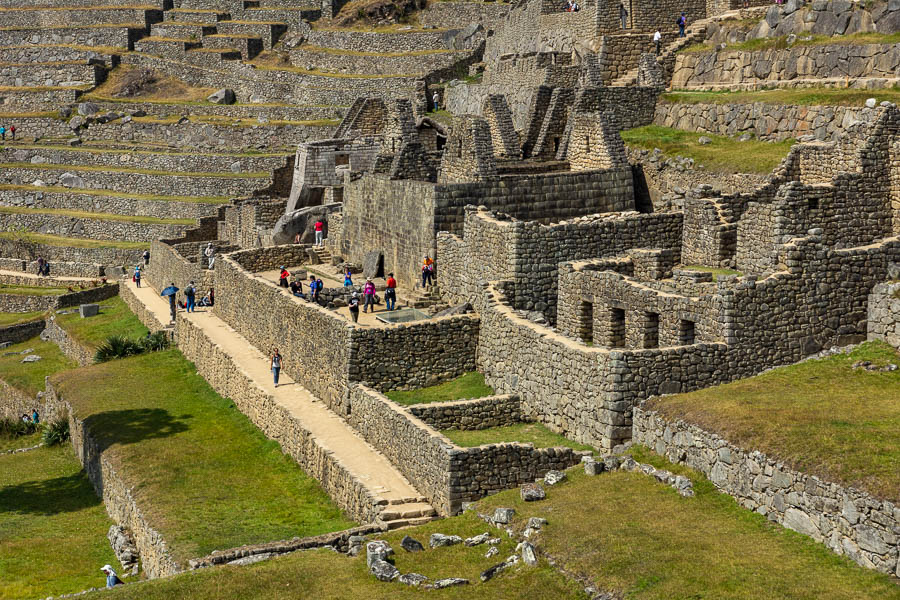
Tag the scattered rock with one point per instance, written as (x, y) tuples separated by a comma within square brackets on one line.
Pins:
[(502, 516), (554, 477), (703, 140), (384, 571), (871, 102), (745, 138), (439, 539), (413, 579), (478, 539), (536, 522), (489, 574), (532, 492), (88, 109), (355, 543), (528, 555), (411, 545), (449, 582), (249, 560), (492, 551), (70, 180), (31, 358), (223, 96), (377, 550)]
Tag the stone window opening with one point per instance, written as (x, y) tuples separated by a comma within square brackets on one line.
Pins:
[(813, 204), (459, 149), (651, 330), (586, 322), (556, 144), (617, 328), (587, 143), (342, 159), (686, 332)]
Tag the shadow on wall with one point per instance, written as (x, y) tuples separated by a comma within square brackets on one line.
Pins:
[(122, 427), (49, 496)]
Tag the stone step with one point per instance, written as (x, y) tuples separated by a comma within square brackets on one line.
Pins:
[(186, 15), (269, 32), (400, 523), (183, 30), (168, 47), (52, 74), (248, 46)]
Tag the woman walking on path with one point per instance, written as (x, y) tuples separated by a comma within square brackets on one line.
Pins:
[(283, 277), (390, 294), (277, 362), (369, 296), (137, 275), (348, 279), (354, 306)]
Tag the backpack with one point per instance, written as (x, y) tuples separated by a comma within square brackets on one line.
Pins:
[(190, 291), (679, 21)]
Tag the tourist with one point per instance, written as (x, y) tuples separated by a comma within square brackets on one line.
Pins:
[(189, 295), (297, 238), (46, 269), (283, 277), (3, 132), (12, 131), (210, 253), (276, 365), (137, 275), (436, 101), (682, 23), (26, 419), (313, 288), (35, 418), (146, 256), (390, 293), (297, 289), (209, 299), (170, 292), (657, 38), (348, 279), (427, 272), (354, 306), (40, 265), (623, 15), (368, 295), (575, 7), (320, 232), (112, 579), (319, 286)]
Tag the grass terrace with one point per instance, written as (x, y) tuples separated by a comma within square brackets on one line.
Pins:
[(31, 290), (205, 477), (468, 385), (112, 194), (820, 416), (29, 377), (8, 319), (799, 96), (57, 240), (80, 214), (159, 87), (717, 272), (702, 547), (780, 43), (133, 149), (115, 318), (534, 433), (10, 442), (235, 122), (339, 51), (53, 529), (108, 169), (721, 154)]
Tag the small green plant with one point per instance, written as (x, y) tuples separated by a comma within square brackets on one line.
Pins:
[(56, 432), (117, 346), (156, 341), (13, 428)]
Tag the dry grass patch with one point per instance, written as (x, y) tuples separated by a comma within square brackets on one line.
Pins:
[(134, 83), (821, 416)]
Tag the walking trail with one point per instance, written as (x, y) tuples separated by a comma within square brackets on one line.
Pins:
[(405, 505)]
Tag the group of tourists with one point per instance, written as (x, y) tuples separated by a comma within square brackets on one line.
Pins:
[(11, 131), (190, 302), (32, 419), (43, 267)]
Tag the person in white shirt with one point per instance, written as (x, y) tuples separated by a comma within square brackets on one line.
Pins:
[(657, 37)]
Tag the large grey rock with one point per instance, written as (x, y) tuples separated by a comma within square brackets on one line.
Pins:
[(439, 540), (302, 221), (384, 571), (791, 6), (478, 539), (88, 310), (554, 477), (449, 582), (31, 358), (413, 579), (373, 262), (464, 39), (249, 560), (531, 492), (377, 550), (800, 522), (704, 140), (411, 545), (88, 109), (528, 555), (503, 516), (459, 309), (223, 96), (70, 180)]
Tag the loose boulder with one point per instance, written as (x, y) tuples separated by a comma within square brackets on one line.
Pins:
[(439, 539), (411, 545), (384, 571), (532, 492), (223, 96), (377, 551)]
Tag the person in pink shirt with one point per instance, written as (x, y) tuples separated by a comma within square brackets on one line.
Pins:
[(368, 296), (320, 232)]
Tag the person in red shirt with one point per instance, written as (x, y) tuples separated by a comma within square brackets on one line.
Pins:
[(320, 232), (12, 130), (283, 277), (390, 294)]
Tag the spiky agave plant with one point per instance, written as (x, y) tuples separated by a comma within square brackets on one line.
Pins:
[(56, 432), (116, 346)]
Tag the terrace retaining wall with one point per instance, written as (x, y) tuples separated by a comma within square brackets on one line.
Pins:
[(21, 303), (884, 313)]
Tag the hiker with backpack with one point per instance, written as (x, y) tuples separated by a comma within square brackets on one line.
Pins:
[(190, 293), (682, 23)]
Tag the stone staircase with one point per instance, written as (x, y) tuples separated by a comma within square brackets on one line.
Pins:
[(426, 299)]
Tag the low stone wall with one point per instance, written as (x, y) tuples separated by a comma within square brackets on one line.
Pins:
[(20, 303), (168, 265), (140, 309), (70, 254), (477, 413), (58, 269), (365, 41), (884, 313), (270, 111), (374, 64), (20, 332), (14, 402), (52, 75), (449, 15), (83, 227), (113, 36), (113, 487), (846, 520), (37, 99), (67, 344), (220, 370), (763, 121)]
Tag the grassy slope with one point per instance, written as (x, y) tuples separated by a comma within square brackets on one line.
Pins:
[(468, 385), (535, 433), (204, 476), (31, 290), (801, 96), (115, 318), (8, 442), (821, 416), (52, 526), (722, 154), (622, 531), (7, 319), (67, 242), (29, 377)]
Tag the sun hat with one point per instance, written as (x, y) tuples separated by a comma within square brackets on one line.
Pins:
[(106, 568)]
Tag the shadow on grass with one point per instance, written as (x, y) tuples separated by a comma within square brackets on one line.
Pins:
[(133, 426), (49, 496)]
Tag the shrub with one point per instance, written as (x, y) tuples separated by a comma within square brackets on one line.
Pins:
[(56, 432), (117, 346), (13, 428), (156, 341)]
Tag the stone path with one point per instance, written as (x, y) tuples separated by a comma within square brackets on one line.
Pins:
[(405, 505)]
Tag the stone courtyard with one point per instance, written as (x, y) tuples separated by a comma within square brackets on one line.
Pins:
[(473, 158)]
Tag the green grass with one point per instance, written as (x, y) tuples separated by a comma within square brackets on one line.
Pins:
[(799, 96), (115, 318), (80, 214), (52, 526), (22, 441), (716, 271), (822, 417), (626, 533), (722, 154), (29, 377), (205, 477), (535, 433), (31, 290), (468, 385), (58, 240), (324, 575)]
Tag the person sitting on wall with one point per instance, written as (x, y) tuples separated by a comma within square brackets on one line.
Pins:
[(297, 289)]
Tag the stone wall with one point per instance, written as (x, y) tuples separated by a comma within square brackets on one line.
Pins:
[(20, 332), (112, 36), (58, 269), (384, 64), (67, 344), (112, 485), (140, 310), (848, 521), (83, 227), (365, 41), (179, 263), (453, 15), (14, 402), (884, 313), (21, 303), (70, 254), (862, 65), (763, 121), (477, 413)]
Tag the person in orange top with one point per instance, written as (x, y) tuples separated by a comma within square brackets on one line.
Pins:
[(390, 294), (427, 271)]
